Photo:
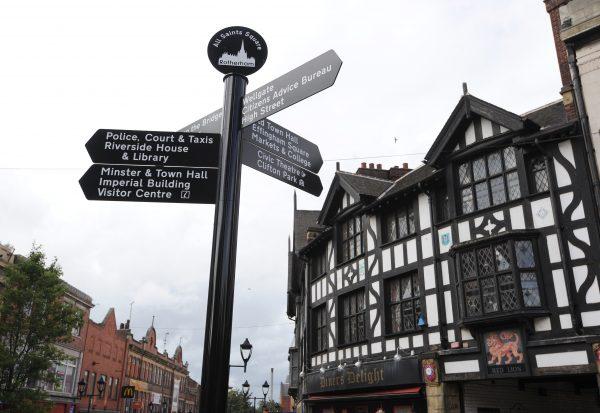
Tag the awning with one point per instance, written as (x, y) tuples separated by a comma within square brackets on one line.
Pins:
[(381, 394)]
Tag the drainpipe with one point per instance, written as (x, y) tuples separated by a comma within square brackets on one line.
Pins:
[(585, 127), (571, 289)]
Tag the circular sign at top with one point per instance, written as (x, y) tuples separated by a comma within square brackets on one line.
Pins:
[(238, 50)]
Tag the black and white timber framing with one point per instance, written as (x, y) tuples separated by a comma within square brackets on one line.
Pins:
[(558, 330)]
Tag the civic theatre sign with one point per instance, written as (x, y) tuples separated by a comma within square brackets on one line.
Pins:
[(380, 374)]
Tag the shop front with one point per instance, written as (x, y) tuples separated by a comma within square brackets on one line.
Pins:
[(388, 386)]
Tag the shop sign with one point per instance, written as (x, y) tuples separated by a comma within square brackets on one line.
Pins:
[(379, 374), (430, 371), (504, 352)]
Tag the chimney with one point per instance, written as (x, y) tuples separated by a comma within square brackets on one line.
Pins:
[(372, 171), (363, 164), (378, 166), (405, 165), (371, 166), (397, 172)]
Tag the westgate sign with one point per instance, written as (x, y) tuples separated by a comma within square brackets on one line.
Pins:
[(369, 375), (304, 81), (118, 146), (284, 143)]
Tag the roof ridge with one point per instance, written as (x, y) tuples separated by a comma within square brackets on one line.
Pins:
[(397, 180), (366, 176), (541, 107)]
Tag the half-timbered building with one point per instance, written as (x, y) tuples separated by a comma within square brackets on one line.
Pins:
[(467, 284)]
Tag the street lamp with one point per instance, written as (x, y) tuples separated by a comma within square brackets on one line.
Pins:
[(100, 384), (246, 388), (245, 352), (265, 389), (164, 405)]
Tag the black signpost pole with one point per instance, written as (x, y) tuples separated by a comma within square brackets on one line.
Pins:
[(217, 340)]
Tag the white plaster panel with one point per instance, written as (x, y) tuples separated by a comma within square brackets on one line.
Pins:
[(377, 329), (464, 366), (373, 315), (330, 305), (517, 218), (575, 252), (363, 350), (332, 356), (426, 246), (339, 279), (542, 324), (445, 239), (565, 200), (445, 272), (370, 260), (313, 361), (375, 287), (411, 251), (398, 255), (567, 358), (560, 288), (432, 310), (417, 340), (313, 291), (373, 226), (464, 232), (403, 343), (424, 214), (323, 286), (376, 347), (566, 150), (361, 269), (390, 345), (332, 280), (582, 234), (578, 212), (486, 128), (466, 334), (470, 134), (340, 354), (347, 353), (562, 176), (541, 210), (355, 351), (565, 321), (429, 276), (553, 249), (372, 299), (451, 336), (477, 221), (590, 318), (593, 294), (579, 275), (330, 260), (434, 338), (386, 259), (448, 306)]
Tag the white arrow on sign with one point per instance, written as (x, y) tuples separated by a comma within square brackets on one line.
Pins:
[(304, 81)]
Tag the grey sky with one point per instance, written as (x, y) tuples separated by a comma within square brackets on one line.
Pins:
[(71, 67)]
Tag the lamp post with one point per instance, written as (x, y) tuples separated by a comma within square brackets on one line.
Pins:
[(246, 353), (164, 405), (101, 385), (265, 390)]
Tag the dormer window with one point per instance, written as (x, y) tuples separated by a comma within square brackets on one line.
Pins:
[(488, 180), (399, 223), (350, 239)]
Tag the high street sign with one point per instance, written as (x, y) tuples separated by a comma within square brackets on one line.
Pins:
[(283, 143), (117, 146), (304, 81), (266, 162), (103, 182)]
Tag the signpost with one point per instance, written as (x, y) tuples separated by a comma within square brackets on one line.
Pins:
[(284, 143), (304, 81), (103, 182), (116, 146), (266, 162)]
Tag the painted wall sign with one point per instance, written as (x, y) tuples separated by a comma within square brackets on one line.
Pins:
[(304, 81), (238, 50), (103, 182), (378, 374), (284, 143), (259, 159), (504, 352), (133, 147)]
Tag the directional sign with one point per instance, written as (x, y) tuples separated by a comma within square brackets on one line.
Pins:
[(237, 50), (284, 143), (116, 146), (302, 82), (261, 160), (104, 182)]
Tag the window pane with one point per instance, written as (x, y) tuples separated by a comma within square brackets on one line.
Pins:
[(485, 261), (360, 319), (402, 225), (406, 287), (541, 181), (510, 160), (345, 230), (494, 163), (467, 200), (524, 254), (357, 224), (350, 228), (408, 315), (395, 291), (508, 294), (464, 177), (415, 286), (353, 328), (360, 306), (69, 376), (531, 292), (502, 257), (396, 318), (359, 248), (482, 195), (352, 299), (479, 172), (512, 182), (490, 301), (346, 302), (411, 221), (467, 260), (417, 304), (390, 225), (472, 298), (498, 192), (346, 330)]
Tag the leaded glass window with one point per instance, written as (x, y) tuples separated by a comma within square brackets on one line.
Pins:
[(399, 223), (499, 277), (488, 180), (320, 337), (403, 303), (353, 317), (351, 239), (538, 175)]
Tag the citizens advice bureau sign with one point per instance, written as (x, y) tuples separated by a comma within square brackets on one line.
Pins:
[(371, 375)]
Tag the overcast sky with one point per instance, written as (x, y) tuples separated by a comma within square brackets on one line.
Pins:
[(71, 67)]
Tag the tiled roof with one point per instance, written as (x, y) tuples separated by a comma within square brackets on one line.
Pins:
[(548, 115), (365, 185), (303, 220), (406, 181)]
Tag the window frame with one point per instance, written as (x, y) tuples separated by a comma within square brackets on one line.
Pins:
[(405, 211), (318, 263), (320, 329), (342, 317), (473, 183), (514, 270), (389, 304), (353, 241), (533, 170)]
